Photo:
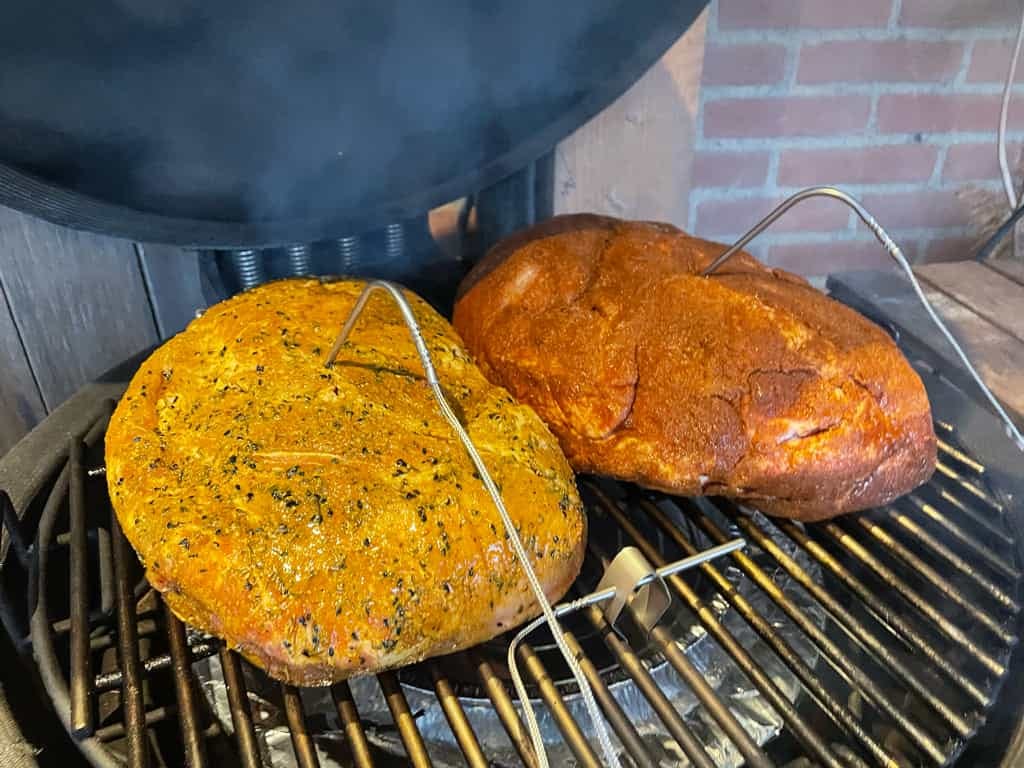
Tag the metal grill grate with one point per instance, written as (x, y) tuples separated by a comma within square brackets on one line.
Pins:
[(919, 599)]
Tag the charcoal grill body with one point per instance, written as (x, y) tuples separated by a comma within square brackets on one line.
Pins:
[(988, 735)]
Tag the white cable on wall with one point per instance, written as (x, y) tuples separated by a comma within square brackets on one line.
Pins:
[(1004, 109)]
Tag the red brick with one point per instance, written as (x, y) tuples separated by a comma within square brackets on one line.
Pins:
[(716, 218), (990, 61), (831, 255), (730, 169), (977, 162), (866, 165), (953, 248), (943, 113), (959, 14), (812, 14), (755, 64), (930, 209), (794, 116), (887, 61)]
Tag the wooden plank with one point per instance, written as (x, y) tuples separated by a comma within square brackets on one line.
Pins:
[(998, 356), (21, 405), (77, 298), (172, 281), (1013, 270), (991, 295), (634, 160), (887, 297)]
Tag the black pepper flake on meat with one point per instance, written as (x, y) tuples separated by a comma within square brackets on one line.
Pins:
[(366, 542), (248, 585), (564, 503), (422, 513), (183, 543)]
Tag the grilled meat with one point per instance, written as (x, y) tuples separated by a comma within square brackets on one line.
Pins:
[(748, 384), (327, 522)]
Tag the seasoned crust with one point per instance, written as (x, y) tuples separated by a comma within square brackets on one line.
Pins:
[(749, 384), (327, 523)]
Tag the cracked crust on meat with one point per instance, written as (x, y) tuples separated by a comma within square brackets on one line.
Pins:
[(751, 384)]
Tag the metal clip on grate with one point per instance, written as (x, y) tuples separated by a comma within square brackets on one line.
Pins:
[(897, 255), (629, 572)]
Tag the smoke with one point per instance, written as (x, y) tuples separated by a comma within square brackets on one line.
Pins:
[(260, 110)]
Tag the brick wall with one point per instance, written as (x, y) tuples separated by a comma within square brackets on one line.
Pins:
[(894, 100)]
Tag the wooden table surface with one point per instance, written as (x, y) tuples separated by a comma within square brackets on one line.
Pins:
[(984, 305)]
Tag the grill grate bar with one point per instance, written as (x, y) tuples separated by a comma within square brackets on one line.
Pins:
[(959, 456), (982, 521), (184, 688), (506, 711), (811, 682), (569, 728), (613, 713), (349, 716), (128, 650), (697, 683), (880, 534), (151, 717), (851, 625), (978, 493), (892, 621), (962, 536), (457, 719), (912, 596), (838, 660), (634, 667), (302, 742), (81, 674), (752, 753), (411, 738), (107, 681), (800, 728), (241, 714)]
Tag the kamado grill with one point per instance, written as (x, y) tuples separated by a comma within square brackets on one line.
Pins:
[(882, 638)]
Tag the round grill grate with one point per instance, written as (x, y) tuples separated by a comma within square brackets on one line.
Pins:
[(882, 637)]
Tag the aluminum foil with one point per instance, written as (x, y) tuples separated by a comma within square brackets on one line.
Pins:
[(747, 704)]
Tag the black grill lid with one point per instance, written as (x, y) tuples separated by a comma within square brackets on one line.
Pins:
[(240, 123)]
